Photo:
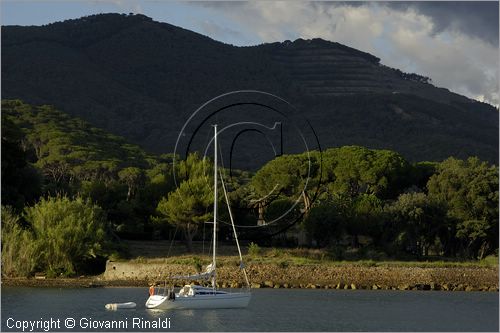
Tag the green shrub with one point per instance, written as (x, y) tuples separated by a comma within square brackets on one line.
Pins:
[(19, 253), (197, 264), (284, 264), (276, 252), (253, 249), (67, 234), (490, 260)]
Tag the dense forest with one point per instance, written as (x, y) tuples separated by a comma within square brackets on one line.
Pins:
[(141, 79), (72, 192)]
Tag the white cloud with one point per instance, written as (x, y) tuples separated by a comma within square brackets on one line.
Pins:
[(402, 38), (131, 6), (464, 64)]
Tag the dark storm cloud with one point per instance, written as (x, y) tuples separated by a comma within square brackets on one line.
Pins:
[(477, 19), (474, 18)]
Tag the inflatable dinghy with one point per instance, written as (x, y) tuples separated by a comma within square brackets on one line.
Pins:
[(116, 306)]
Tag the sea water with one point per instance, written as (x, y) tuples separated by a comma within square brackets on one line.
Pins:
[(76, 309)]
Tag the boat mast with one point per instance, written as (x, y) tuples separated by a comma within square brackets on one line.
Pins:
[(215, 206)]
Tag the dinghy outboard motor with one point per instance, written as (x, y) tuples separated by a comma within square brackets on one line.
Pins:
[(171, 295)]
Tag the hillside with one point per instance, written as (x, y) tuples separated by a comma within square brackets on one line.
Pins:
[(142, 79), (52, 138)]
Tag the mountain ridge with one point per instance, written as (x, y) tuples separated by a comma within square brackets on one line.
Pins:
[(141, 79)]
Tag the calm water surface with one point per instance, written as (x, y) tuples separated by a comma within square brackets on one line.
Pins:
[(269, 310)]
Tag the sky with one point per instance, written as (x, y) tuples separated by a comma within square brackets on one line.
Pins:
[(453, 43)]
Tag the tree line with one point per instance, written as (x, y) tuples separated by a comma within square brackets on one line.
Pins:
[(71, 192), (397, 208)]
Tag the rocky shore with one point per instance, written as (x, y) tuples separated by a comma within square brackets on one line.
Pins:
[(130, 274), (322, 276)]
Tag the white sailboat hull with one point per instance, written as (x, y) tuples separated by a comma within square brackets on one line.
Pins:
[(214, 301)]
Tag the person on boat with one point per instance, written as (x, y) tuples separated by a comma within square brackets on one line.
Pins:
[(186, 291), (151, 289), (171, 294)]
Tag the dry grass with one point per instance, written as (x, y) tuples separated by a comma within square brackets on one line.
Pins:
[(165, 252)]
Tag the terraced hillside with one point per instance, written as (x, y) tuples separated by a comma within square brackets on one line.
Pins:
[(323, 68)]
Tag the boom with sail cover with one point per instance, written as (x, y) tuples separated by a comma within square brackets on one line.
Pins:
[(209, 272)]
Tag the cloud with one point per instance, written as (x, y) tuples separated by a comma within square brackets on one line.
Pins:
[(477, 19), (131, 6), (459, 62), (456, 44)]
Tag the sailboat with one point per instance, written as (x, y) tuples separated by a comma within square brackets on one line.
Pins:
[(200, 297)]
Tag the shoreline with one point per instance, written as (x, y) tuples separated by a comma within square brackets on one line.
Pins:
[(99, 283), (133, 274), (76, 282)]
